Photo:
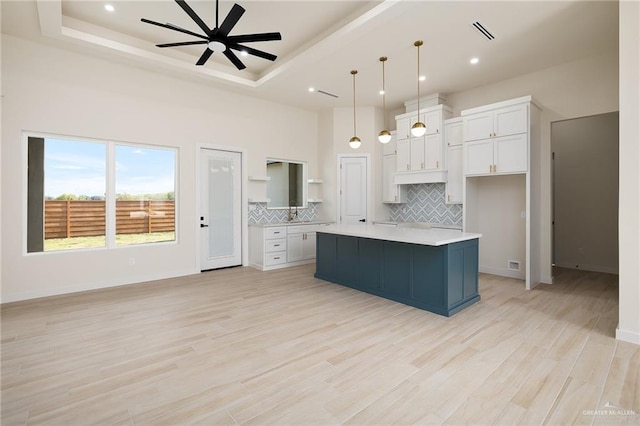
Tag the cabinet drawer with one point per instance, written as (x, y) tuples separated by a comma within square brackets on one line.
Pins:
[(275, 258), (271, 246), (275, 232)]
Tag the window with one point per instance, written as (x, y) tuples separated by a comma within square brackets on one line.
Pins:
[(86, 194)]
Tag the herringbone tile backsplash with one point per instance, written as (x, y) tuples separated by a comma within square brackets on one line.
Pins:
[(263, 215), (426, 203)]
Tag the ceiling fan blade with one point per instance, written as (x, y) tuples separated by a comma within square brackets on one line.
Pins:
[(231, 20), (183, 43), (174, 28), (248, 38), (233, 58), (254, 52), (183, 4), (205, 56)]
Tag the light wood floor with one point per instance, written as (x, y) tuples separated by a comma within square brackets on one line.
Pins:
[(239, 346)]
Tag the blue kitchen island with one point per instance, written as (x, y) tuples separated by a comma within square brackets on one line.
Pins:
[(431, 269)]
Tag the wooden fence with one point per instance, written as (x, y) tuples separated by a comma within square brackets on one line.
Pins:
[(65, 219)]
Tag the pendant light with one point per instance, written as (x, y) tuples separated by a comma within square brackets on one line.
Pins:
[(354, 142), (418, 129), (384, 136)]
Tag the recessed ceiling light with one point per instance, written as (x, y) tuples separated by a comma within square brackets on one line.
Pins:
[(109, 7), (311, 89), (474, 61), (422, 78)]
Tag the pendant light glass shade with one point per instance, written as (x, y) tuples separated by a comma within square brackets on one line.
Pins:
[(418, 129), (384, 136), (355, 141)]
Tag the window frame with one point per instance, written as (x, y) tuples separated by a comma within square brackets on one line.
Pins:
[(110, 195)]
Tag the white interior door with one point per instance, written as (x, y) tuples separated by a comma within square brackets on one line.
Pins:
[(353, 190), (221, 205)]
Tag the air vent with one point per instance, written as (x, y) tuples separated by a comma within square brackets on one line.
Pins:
[(327, 93), (483, 30), (513, 265)]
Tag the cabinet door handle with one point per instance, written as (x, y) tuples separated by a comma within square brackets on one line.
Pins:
[(437, 164), (407, 167), (448, 197), (395, 198), (278, 257), (422, 165), (276, 245)]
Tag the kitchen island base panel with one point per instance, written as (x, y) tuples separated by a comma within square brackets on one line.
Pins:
[(440, 279)]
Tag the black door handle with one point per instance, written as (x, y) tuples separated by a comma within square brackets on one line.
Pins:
[(362, 220), (202, 225)]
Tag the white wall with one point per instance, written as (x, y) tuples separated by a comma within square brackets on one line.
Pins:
[(584, 87), (629, 207), (495, 204), (56, 91), (369, 121)]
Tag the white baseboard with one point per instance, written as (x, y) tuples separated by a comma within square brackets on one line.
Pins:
[(628, 336), (519, 275), (591, 268), (93, 286)]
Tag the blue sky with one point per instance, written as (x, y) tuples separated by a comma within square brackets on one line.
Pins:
[(79, 168)]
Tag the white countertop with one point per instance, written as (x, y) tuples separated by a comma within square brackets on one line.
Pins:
[(429, 237), (293, 222)]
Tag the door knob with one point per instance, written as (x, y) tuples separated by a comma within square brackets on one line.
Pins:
[(362, 220), (202, 225)]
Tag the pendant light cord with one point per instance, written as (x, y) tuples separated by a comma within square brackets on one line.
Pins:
[(353, 73), (418, 44), (384, 95)]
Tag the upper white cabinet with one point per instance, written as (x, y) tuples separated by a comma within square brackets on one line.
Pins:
[(452, 132), (509, 120), (421, 159), (496, 138), (391, 193)]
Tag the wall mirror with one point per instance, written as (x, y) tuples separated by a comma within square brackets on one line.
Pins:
[(286, 186)]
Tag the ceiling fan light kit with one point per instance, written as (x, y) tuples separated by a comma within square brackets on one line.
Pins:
[(418, 129), (217, 39), (384, 136), (355, 141)]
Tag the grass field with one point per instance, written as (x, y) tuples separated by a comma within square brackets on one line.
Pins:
[(93, 242)]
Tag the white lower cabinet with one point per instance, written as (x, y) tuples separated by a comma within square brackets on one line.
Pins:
[(301, 243), (273, 247)]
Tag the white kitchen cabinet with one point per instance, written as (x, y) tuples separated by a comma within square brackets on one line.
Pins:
[(403, 158), (420, 160), (454, 175), (391, 193), (301, 242), (452, 133), (507, 154), (416, 154), (433, 152), (290, 244), (505, 121)]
